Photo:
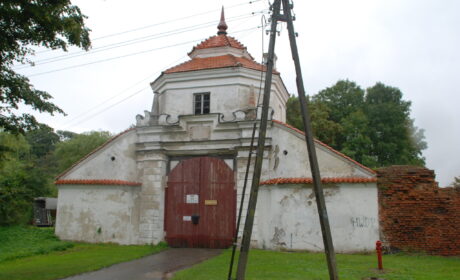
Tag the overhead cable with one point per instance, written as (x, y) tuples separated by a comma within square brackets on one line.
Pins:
[(126, 55), (69, 122), (108, 107), (128, 42), (163, 23)]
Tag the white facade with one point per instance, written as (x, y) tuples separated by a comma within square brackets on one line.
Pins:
[(290, 217), (117, 193), (286, 216), (98, 213), (231, 89)]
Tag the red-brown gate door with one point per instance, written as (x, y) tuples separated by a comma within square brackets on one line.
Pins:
[(200, 208)]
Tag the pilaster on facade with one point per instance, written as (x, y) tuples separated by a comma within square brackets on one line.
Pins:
[(241, 166), (153, 167)]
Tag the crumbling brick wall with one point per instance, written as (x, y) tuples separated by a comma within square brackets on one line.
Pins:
[(415, 214)]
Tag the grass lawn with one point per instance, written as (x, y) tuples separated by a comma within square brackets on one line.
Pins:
[(287, 266), (48, 258), (18, 242)]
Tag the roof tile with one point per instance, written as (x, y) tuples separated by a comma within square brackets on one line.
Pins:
[(326, 180), (220, 41), (214, 62), (97, 182)]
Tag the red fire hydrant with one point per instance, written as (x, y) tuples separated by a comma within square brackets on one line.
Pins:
[(378, 248)]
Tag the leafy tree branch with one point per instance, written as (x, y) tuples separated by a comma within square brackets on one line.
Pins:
[(53, 24)]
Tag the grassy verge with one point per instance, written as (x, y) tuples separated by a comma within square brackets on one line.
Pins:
[(293, 266), (28, 253), (78, 259), (18, 242)]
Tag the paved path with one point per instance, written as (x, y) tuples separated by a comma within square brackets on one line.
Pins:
[(154, 267)]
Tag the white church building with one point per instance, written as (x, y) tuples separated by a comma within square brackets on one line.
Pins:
[(178, 175)]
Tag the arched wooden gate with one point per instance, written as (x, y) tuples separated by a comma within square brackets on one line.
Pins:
[(200, 204)]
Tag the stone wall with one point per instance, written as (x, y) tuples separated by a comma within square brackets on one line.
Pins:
[(415, 214)]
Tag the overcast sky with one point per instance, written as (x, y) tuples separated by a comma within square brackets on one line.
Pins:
[(410, 44)]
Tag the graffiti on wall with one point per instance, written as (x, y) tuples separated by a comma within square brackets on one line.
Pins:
[(363, 222)]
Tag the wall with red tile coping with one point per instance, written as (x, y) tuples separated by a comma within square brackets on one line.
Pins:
[(415, 214)]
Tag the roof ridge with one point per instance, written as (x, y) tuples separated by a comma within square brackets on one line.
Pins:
[(237, 41), (228, 41), (218, 41), (324, 180), (326, 146), (96, 182), (94, 151)]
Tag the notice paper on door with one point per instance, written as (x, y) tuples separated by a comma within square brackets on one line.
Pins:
[(192, 198)]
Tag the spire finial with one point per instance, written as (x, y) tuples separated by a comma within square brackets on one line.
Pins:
[(222, 27)]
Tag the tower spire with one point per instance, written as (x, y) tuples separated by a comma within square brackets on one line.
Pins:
[(222, 27)]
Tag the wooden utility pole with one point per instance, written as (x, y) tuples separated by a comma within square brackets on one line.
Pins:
[(320, 202), (247, 232)]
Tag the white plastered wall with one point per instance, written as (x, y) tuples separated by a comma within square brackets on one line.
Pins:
[(102, 213), (231, 89), (115, 161), (287, 215), (290, 218), (98, 213), (290, 158)]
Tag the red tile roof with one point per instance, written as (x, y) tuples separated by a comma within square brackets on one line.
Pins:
[(97, 182), (94, 151), (327, 147), (326, 180), (214, 62), (220, 41)]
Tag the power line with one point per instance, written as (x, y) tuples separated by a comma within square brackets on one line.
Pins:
[(112, 97), (109, 107), (177, 19), (130, 42), (164, 22), (102, 103), (119, 102), (111, 58), (127, 55)]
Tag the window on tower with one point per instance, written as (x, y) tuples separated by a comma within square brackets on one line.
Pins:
[(201, 103)]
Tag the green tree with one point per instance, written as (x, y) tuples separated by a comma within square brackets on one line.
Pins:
[(373, 126), (340, 100), (69, 152), (323, 127), (42, 143), (395, 139), (343, 98), (455, 183), (20, 180), (42, 140), (293, 115), (357, 143), (54, 24), (30, 162)]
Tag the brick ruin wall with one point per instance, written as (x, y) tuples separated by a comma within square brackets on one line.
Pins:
[(417, 215)]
